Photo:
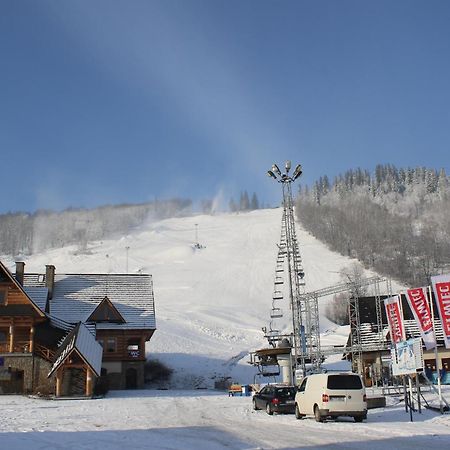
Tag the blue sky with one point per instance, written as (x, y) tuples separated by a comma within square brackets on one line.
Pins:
[(127, 101)]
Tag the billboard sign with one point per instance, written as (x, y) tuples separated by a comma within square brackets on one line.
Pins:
[(407, 357)]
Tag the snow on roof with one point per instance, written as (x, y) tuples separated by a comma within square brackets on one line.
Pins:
[(75, 297), (370, 340)]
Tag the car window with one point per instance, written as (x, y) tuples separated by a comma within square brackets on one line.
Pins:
[(286, 392), (303, 385), (344, 382)]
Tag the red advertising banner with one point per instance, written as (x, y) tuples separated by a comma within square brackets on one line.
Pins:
[(418, 302), (441, 288), (395, 319)]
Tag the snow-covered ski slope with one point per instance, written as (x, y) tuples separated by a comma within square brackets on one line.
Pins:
[(211, 303)]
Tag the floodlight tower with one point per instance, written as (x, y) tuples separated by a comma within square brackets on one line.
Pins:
[(305, 311)]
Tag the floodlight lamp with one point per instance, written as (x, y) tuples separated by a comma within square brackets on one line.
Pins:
[(297, 172), (271, 174), (276, 170), (288, 166)]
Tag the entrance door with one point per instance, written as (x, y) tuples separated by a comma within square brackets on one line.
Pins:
[(131, 378), (11, 381)]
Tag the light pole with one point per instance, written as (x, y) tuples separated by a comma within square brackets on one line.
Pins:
[(127, 248), (305, 313)]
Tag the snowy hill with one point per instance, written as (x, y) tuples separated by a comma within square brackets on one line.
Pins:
[(211, 303)]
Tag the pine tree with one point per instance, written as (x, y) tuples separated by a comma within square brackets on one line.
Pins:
[(244, 202), (254, 204), (442, 184)]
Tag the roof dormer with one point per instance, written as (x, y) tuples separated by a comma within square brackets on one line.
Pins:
[(106, 312)]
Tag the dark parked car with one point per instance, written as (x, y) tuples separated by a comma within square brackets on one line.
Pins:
[(275, 398)]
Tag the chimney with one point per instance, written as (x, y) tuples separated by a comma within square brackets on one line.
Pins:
[(20, 271), (50, 279)]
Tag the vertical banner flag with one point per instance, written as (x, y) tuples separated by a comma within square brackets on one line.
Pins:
[(395, 319), (441, 288), (417, 300)]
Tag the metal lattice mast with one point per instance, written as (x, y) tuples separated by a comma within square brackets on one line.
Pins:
[(355, 331), (378, 311), (305, 311), (293, 256)]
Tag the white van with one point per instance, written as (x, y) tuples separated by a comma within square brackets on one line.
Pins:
[(331, 395)]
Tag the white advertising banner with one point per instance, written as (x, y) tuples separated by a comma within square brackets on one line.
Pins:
[(418, 302), (441, 288), (395, 319)]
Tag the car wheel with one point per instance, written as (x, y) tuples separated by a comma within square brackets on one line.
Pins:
[(317, 415), (297, 413), (358, 418), (254, 405), (269, 409)]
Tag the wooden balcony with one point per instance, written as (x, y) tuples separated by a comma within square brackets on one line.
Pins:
[(19, 347), (24, 348)]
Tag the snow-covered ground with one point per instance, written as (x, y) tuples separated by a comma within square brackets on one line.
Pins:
[(211, 303), (202, 420)]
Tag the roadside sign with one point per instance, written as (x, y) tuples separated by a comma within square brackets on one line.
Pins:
[(407, 357)]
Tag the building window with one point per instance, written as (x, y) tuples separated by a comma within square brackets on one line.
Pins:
[(2, 336), (111, 345)]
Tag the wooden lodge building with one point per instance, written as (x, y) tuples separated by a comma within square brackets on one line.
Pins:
[(63, 333), (375, 345)]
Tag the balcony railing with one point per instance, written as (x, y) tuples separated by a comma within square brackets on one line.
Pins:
[(24, 347), (19, 347), (44, 352)]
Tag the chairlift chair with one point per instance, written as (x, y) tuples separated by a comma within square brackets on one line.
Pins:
[(278, 280), (276, 313), (269, 371), (277, 295)]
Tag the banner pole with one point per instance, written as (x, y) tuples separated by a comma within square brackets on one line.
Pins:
[(405, 393), (411, 403), (419, 403), (401, 314), (436, 355)]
